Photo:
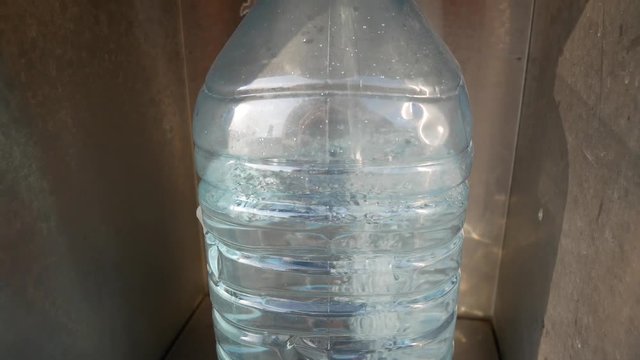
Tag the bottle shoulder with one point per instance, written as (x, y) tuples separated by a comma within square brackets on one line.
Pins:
[(383, 48)]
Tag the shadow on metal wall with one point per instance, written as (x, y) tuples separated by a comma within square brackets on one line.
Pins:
[(539, 189)]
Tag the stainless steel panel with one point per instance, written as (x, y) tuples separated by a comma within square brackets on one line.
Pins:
[(569, 285), (490, 39), (474, 339), (99, 250)]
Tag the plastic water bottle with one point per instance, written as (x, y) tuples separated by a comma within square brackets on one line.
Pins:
[(333, 142)]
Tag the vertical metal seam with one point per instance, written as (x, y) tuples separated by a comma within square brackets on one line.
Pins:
[(513, 161), (183, 50), (187, 96)]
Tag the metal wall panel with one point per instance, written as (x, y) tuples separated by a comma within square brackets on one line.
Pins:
[(100, 256), (490, 40), (569, 285)]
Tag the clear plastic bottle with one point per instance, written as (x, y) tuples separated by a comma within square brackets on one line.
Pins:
[(333, 142)]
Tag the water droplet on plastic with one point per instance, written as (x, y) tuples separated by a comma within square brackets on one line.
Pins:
[(334, 151)]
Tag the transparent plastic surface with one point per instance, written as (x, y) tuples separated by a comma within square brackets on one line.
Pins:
[(333, 145)]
